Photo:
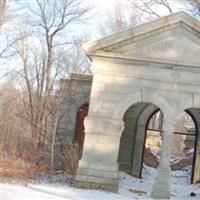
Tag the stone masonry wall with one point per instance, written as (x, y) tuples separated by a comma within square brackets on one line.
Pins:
[(76, 93)]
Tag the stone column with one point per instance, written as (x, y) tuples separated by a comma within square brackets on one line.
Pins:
[(98, 168), (161, 187)]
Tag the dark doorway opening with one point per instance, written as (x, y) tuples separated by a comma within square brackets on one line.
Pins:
[(80, 129)]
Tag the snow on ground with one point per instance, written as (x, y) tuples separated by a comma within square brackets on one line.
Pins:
[(129, 189)]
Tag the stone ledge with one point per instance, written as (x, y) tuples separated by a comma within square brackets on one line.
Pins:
[(81, 77), (98, 171), (97, 179), (92, 182)]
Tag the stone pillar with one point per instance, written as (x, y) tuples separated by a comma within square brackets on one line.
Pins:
[(138, 151), (161, 187), (98, 168)]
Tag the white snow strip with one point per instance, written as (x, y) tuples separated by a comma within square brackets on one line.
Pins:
[(130, 188)]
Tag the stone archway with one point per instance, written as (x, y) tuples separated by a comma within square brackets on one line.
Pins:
[(76, 92), (133, 137), (104, 160), (142, 123), (128, 137), (194, 114), (155, 63), (141, 131)]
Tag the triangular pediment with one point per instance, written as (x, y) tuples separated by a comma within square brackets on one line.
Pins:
[(172, 38), (179, 47)]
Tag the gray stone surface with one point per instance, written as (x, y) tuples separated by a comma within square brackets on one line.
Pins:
[(127, 141), (77, 91), (158, 64)]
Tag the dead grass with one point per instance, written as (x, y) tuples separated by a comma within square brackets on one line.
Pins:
[(21, 161)]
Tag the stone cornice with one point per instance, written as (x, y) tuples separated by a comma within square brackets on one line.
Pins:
[(78, 77), (81, 77), (165, 64), (145, 30)]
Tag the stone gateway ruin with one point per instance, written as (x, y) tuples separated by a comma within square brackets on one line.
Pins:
[(135, 72)]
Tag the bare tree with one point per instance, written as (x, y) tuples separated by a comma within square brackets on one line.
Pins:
[(41, 56), (127, 14), (117, 19), (195, 7), (3, 5), (9, 104), (150, 8), (8, 32)]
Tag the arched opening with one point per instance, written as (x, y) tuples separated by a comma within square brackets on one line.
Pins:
[(195, 175), (153, 138), (183, 145), (79, 135), (133, 137), (141, 141), (184, 148)]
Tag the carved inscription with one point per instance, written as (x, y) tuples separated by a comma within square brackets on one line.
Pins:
[(173, 48)]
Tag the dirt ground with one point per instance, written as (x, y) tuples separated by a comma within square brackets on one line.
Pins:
[(152, 159)]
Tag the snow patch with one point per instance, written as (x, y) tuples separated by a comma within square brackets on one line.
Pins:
[(130, 188)]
